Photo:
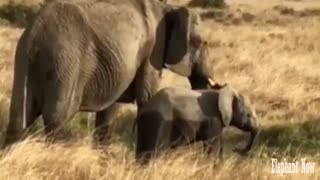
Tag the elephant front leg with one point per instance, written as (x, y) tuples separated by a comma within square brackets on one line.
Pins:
[(58, 108), (214, 147), (213, 144), (103, 125)]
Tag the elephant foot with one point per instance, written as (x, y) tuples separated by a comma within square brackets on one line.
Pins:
[(10, 140), (242, 152), (8, 143), (100, 146), (101, 140), (103, 126), (143, 159), (60, 136), (216, 159)]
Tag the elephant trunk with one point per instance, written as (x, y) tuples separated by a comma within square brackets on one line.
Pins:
[(199, 79), (253, 135), (253, 129)]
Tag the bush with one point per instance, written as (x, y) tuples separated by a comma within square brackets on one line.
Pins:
[(16, 14), (208, 3)]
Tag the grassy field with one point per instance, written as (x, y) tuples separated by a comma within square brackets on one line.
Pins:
[(268, 50)]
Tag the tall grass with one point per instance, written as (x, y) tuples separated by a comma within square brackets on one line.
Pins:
[(273, 58)]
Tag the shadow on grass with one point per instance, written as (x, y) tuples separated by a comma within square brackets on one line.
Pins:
[(207, 3), (299, 138), (291, 140), (16, 14)]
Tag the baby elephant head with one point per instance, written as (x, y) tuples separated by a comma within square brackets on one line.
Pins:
[(236, 110)]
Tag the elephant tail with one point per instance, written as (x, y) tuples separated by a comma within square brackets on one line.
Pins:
[(18, 105)]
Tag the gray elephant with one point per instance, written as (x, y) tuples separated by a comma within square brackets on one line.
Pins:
[(92, 55), (176, 116)]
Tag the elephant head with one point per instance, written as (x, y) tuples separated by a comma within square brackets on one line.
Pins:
[(185, 49), (236, 110), (201, 74)]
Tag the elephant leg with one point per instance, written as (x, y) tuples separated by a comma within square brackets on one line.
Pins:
[(104, 118), (103, 125), (54, 119), (59, 106), (214, 144), (150, 135), (146, 146)]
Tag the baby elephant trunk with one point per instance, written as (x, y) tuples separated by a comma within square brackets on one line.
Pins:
[(253, 129), (253, 134)]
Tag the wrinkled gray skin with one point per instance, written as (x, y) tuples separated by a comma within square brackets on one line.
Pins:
[(176, 116), (91, 55)]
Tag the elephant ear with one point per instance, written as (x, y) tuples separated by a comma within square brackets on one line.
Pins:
[(225, 101), (177, 46)]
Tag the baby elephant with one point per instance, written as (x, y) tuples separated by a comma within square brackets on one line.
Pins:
[(177, 116)]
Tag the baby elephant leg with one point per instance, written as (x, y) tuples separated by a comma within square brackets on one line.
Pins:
[(148, 133), (213, 144)]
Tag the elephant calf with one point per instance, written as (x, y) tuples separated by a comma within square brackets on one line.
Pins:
[(176, 116)]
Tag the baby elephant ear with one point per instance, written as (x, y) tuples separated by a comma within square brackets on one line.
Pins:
[(226, 96)]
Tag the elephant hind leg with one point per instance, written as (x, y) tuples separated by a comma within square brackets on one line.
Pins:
[(103, 125), (214, 146), (213, 143)]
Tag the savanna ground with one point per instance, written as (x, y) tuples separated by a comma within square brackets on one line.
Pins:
[(268, 50)]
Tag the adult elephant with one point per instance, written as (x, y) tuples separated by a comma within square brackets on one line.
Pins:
[(90, 55)]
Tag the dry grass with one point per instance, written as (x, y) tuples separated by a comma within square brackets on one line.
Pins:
[(270, 54)]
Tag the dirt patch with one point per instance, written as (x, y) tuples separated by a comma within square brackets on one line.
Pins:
[(17, 14), (230, 16), (278, 15), (308, 12)]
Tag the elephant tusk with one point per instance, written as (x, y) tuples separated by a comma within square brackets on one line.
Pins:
[(211, 82), (214, 85)]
